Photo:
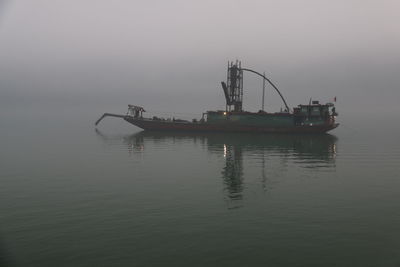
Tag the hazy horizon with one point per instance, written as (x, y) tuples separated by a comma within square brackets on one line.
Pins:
[(171, 56)]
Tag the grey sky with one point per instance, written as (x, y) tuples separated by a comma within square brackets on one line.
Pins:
[(172, 55)]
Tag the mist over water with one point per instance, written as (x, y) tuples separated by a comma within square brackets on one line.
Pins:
[(74, 195), (172, 56)]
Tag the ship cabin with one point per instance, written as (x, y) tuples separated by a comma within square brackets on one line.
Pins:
[(135, 111), (314, 113)]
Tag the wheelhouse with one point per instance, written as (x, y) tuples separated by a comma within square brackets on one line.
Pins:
[(314, 113)]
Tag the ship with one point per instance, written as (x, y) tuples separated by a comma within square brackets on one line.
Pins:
[(313, 117)]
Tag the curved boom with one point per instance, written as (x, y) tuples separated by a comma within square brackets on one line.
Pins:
[(273, 85)]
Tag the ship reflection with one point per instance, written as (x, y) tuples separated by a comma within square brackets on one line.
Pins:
[(268, 157), (232, 172), (265, 157)]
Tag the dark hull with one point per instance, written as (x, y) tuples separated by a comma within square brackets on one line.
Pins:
[(160, 125)]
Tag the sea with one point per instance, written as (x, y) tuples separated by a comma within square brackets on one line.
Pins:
[(73, 194)]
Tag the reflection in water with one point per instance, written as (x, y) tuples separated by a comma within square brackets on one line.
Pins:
[(268, 154), (233, 171), (272, 153)]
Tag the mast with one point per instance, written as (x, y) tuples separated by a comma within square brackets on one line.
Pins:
[(233, 90), (263, 96)]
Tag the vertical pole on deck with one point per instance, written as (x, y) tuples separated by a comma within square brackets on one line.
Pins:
[(263, 95)]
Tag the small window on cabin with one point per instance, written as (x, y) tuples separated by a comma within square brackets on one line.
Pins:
[(304, 109), (315, 109)]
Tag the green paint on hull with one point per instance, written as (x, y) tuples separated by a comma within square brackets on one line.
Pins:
[(273, 120)]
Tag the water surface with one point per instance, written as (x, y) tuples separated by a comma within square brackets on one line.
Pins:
[(76, 196)]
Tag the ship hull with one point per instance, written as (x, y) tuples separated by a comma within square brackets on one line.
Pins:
[(165, 125)]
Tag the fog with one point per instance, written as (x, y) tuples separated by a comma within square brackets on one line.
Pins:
[(170, 56)]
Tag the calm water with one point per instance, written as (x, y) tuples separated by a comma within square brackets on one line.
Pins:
[(75, 196)]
